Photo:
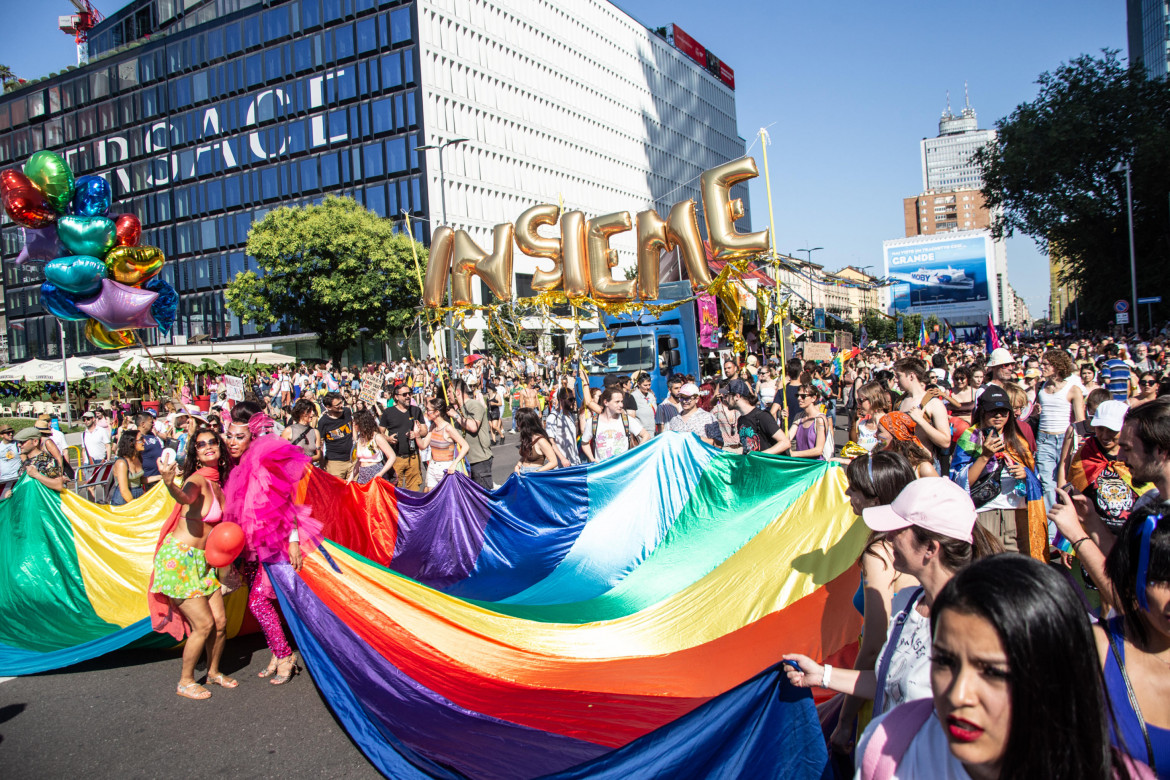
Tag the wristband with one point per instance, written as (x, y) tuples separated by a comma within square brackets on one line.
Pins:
[(294, 536), (826, 675), (1079, 542)]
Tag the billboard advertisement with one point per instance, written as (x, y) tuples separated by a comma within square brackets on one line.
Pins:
[(951, 276)]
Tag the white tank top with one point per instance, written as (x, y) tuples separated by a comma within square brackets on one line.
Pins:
[(1055, 409)]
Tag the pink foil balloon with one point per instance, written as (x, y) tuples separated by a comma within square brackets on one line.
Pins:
[(121, 307)]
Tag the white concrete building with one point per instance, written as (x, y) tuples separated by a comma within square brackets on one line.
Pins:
[(580, 105)]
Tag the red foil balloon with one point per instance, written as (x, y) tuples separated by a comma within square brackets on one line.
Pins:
[(24, 202), (128, 229), (224, 543)]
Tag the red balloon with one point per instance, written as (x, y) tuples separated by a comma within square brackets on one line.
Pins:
[(24, 202), (224, 543), (128, 229)]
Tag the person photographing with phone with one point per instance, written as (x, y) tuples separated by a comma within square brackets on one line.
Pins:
[(994, 463)]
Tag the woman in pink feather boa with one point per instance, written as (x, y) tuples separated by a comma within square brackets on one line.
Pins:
[(260, 497)]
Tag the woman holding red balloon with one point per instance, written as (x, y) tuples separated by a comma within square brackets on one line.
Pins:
[(190, 547)]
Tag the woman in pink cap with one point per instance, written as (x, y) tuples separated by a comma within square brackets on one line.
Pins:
[(932, 534)]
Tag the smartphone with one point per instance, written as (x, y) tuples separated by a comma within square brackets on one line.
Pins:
[(1069, 489)]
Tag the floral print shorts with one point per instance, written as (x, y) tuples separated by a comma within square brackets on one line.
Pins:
[(181, 571)]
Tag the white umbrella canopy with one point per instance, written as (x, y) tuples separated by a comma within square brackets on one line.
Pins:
[(51, 371)]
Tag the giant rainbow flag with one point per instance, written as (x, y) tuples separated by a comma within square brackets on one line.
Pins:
[(614, 620)]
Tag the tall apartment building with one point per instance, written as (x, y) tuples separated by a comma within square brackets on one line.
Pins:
[(938, 212), (951, 200), (205, 114), (1148, 34)]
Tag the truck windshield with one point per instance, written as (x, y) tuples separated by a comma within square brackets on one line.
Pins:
[(629, 354)]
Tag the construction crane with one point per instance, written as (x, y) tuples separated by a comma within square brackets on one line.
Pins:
[(78, 25)]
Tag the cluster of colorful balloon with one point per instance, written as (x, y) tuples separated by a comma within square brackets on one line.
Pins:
[(94, 269)]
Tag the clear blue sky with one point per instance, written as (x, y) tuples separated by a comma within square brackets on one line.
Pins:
[(846, 89)]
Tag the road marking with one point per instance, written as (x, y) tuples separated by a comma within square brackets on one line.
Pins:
[(6, 679)]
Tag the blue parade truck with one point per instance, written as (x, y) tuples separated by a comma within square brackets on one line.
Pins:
[(663, 345)]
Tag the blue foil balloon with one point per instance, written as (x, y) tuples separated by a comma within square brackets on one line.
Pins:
[(60, 304), (166, 306), (91, 197), (78, 274)]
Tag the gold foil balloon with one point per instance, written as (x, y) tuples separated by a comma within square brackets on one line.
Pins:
[(682, 231), (438, 266), (574, 255), (533, 244), (722, 211), (494, 268), (133, 265), (100, 336), (652, 242), (602, 258)]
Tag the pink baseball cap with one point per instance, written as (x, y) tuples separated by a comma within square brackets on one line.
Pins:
[(933, 503)]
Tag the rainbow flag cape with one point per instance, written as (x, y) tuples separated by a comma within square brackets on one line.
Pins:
[(967, 448), (622, 619)]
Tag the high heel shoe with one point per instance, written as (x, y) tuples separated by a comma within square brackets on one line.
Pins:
[(270, 670), (281, 677)]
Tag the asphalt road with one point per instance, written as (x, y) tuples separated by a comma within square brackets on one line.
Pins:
[(118, 716)]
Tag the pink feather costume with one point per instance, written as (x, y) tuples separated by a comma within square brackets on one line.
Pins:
[(260, 497)]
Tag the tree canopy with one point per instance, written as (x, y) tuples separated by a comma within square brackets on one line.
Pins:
[(335, 269), (1050, 175)]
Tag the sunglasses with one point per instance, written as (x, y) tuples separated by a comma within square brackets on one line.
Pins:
[(7, 431), (805, 395), (202, 445), (688, 398), (1148, 382)]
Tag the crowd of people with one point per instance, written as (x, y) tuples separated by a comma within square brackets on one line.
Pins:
[(974, 661)]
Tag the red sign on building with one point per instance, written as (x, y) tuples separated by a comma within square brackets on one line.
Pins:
[(689, 46), (726, 74)]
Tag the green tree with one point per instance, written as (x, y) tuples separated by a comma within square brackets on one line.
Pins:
[(880, 328), (8, 78), (1050, 176), (335, 269)]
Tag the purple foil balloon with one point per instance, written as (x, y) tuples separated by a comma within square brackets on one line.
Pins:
[(120, 307), (40, 245)]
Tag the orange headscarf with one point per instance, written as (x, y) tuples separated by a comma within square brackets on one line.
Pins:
[(902, 427)]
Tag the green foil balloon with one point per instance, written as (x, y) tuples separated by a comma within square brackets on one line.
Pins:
[(133, 265), (77, 275), (51, 175), (93, 236)]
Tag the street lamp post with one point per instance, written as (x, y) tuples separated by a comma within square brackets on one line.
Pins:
[(1124, 166), (811, 305), (440, 146)]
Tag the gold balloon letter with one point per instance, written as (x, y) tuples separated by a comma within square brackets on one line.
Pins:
[(438, 266), (722, 211), (494, 268), (681, 232), (574, 255), (602, 259), (651, 244), (533, 244)]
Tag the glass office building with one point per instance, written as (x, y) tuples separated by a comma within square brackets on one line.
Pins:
[(203, 118)]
